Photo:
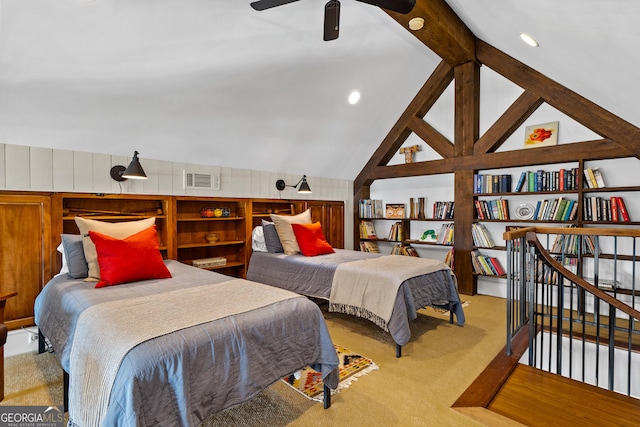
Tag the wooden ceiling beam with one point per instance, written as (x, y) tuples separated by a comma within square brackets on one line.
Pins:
[(443, 31), (508, 123), (588, 150), (421, 103), (585, 112), (432, 137)]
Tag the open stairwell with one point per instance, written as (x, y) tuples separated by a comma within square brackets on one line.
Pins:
[(604, 366)]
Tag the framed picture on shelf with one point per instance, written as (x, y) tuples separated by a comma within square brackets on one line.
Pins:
[(541, 135), (396, 210)]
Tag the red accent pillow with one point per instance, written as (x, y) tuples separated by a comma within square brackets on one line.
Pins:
[(311, 240), (134, 258)]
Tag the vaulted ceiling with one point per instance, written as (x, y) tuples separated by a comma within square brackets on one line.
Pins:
[(215, 82)]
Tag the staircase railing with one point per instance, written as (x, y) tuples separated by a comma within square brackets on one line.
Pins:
[(574, 293)]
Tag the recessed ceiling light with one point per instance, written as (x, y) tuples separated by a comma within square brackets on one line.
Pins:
[(416, 24), (354, 97), (529, 40)]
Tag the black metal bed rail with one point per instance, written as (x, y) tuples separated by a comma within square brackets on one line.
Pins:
[(578, 328)]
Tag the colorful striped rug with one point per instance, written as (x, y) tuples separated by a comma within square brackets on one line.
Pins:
[(309, 381)]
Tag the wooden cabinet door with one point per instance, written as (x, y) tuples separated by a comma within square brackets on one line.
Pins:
[(331, 215), (335, 224), (25, 242)]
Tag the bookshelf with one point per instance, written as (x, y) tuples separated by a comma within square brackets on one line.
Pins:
[(194, 229)]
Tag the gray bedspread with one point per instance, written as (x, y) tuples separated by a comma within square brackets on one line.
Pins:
[(313, 276), (181, 378)]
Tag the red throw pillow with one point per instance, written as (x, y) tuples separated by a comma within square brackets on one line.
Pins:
[(134, 258), (311, 240)]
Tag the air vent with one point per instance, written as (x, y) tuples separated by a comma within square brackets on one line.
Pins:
[(201, 180)]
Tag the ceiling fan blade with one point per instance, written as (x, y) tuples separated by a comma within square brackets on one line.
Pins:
[(331, 20), (268, 4), (400, 6)]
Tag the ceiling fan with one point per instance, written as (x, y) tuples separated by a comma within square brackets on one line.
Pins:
[(332, 11)]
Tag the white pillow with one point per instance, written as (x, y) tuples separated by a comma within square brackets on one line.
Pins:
[(257, 240), (65, 267)]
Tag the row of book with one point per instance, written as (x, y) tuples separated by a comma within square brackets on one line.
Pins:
[(593, 178), (569, 244), (370, 208), (559, 209), (492, 209), (367, 230), (612, 209), (443, 210), (406, 250), (489, 183), (481, 236), (396, 233), (369, 247), (540, 180), (486, 265), (445, 237)]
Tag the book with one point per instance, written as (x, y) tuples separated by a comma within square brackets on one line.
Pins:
[(622, 210), (531, 181), (539, 179), (521, 181), (537, 210), (496, 265), (597, 175), (592, 178), (587, 179), (614, 208)]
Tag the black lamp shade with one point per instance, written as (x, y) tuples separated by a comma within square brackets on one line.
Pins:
[(134, 170), (304, 187)]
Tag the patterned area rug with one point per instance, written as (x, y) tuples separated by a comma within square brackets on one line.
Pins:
[(309, 381), (445, 311)]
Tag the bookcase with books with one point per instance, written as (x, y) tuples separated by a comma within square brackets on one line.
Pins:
[(379, 224), (608, 195), (589, 193)]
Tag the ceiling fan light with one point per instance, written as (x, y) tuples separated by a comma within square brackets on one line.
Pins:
[(416, 24)]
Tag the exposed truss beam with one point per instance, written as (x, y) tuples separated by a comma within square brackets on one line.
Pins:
[(443, 31)]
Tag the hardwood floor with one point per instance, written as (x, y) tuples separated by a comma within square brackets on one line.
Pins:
[(537, 398), (508, 393)]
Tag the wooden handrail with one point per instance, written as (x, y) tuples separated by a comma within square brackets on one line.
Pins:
[(532, 239), (620, 232)]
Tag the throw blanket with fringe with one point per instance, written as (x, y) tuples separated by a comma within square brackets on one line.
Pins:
[(368, 288), (106, 332)]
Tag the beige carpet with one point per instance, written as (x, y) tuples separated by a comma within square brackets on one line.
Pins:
[(418, 389)]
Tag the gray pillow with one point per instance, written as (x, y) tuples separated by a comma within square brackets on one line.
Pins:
[(74, 255), (271, 238)]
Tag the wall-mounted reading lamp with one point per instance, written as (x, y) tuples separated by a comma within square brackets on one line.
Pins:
[(304, 187), (133, 171)]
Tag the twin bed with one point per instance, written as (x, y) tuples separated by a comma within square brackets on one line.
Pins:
[(180, 377), (431, 284)]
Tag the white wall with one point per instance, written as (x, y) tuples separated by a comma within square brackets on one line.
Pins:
[(27, 168)]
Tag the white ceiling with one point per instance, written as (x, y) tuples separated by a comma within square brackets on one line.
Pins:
[(215, 82)]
